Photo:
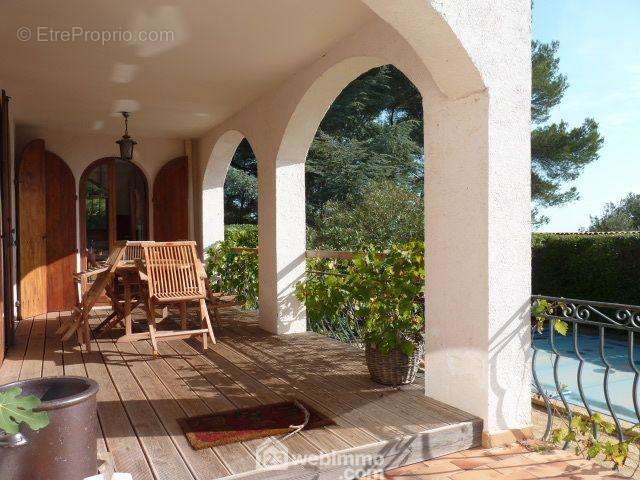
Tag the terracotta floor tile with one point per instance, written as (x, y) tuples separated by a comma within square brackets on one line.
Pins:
[(470, 463), (475, 452), (516, 473), (437, 466), (484, 474), (516, 460), (513, 462), (553, 456), (551, 469), (513, 449)]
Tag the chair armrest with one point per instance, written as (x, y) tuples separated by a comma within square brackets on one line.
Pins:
[(80, 276), (200, 270)]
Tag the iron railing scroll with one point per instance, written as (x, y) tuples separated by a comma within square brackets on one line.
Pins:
[(591, 325)]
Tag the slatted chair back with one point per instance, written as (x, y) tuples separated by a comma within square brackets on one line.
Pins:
[(133, 250), (174, 271)]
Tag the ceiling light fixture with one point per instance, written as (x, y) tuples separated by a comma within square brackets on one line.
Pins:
[(126, 143)]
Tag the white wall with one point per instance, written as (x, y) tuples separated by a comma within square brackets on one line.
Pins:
[(80, 150)]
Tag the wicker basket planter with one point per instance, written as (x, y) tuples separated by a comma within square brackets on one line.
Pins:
[(395, 368)]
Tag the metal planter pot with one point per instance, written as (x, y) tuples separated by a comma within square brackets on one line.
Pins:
[(66, 448)]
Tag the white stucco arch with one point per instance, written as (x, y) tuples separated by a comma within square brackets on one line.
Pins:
[(212, 182), (314, 104), (283, 261), (436, 32), (471, 63)]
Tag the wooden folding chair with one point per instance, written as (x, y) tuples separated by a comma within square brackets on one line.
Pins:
[(79, 320), (174, 276)]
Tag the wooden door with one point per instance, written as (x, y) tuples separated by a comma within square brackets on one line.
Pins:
[(171, 201), (60, 187), (47, 232), (33, 228)]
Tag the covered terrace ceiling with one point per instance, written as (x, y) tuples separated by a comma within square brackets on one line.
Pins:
[(195, 63)]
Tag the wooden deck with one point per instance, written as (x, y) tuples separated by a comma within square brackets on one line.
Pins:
[(141, 399)]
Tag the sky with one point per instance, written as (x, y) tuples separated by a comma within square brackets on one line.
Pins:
[(600, 55)]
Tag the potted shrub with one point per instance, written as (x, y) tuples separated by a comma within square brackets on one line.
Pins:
[(380, 296), (388, 296)]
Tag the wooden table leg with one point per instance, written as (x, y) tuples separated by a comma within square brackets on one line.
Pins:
[(183, 315), (128, 329)]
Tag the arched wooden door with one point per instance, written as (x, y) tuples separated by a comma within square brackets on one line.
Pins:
[(171, 201), (47, 232)]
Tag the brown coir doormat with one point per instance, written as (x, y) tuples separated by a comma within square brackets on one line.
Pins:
[(249, 423)]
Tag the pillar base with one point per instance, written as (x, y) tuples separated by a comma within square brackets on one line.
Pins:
[(506, 437)]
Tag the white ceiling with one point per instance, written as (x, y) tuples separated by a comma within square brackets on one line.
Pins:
[(221, 55)]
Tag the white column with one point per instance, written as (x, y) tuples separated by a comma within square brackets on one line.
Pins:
[(478, 254), (212, 215), (282, 243)]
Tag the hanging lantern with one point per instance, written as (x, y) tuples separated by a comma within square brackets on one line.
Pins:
[(126, 143)]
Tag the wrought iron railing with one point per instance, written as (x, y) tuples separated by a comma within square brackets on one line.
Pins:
[(598, 344)]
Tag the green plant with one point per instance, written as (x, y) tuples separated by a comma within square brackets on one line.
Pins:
[(581, 433), (541, 311), (234, 271), (326, 297), (241, 235), (379, 292), (16, 408)]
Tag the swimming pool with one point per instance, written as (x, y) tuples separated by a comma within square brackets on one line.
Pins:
[(621, 374)]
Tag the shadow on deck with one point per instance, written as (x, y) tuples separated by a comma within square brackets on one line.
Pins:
[(142, 397)]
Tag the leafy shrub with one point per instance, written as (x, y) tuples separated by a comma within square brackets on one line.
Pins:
[(236, 272), (592, 267), (384, 214), (241, 235), (381, 294)]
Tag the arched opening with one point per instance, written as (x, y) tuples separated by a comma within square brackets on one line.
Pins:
[(213, 181), (241, 188), (365, 168), (364, 177), (114, 206), (231, 231)]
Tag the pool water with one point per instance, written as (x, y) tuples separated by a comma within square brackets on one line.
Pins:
[(621, 374)]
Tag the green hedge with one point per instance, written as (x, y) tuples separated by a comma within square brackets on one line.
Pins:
[(590, 267)]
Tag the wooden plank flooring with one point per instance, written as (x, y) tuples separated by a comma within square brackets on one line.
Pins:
[(142, 397)]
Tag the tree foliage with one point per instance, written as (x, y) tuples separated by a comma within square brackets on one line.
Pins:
[(559, 153), (241, 187), (623, 216), (373, 133), (383, 215)]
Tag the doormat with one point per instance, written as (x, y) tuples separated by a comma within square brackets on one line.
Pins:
[(249, 423)]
